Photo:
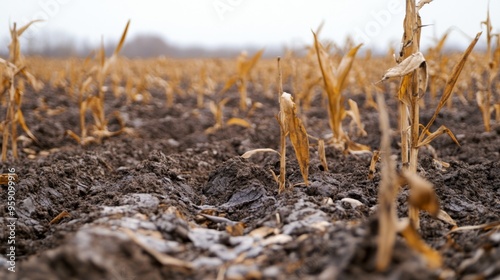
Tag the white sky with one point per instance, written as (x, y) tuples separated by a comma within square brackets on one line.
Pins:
[(260, 23)]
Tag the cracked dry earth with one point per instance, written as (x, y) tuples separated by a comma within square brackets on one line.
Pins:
[(171, 202)]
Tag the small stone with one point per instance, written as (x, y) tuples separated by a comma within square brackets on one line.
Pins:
[(353, 202), (173, 142)]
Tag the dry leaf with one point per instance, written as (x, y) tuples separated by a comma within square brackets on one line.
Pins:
[(443, 216), (449, 86), (407, 66), (297, 133), (239, 122), (421, 3), (356, 117), (250, 153), (413, 239), (122, 39), (441, 130), (229, 83), (356, 148), (488, 226), (344, 67), (59, 217), (22, 122), (247, 65), (422, 195)]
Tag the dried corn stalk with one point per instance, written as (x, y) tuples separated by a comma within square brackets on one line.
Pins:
[(334, 83), (422, 197), (95, 103), (484, 96), (243, 66), (297, 133), (13, 83), (388, 190), (290, 125), (412, 68)]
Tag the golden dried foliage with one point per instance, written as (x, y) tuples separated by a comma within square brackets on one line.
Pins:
[(422, 197), (412, 68), (335, 80), (95, 102), (14, 76), (244, 66), (426, 138), (414, 241), (290, 126), (297, 133)]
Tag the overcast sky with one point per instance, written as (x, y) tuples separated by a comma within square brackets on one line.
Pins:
[(260, 23)]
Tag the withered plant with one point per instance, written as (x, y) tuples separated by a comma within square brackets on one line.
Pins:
[(422, 197), (290, 126), (95, 101), (484, 96), (412, 68), (334, 83), (13, 82), (244, 66)]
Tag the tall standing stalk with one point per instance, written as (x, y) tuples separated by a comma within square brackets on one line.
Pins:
[(409, 97)]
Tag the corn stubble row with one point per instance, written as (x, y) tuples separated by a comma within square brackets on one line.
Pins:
[(327, 71)]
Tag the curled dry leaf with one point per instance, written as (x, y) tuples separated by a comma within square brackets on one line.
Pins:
[(20, 119), (239, 122), (422, 195), (407, 66), (344, 68), (421, 3), (356, 148), (433, 258), (445, 217), (450, 84)]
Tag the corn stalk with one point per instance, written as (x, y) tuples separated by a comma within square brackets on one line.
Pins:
[(244, 66), (16, 73), (484, 96), (95, 103), (290, 126), (412, 67), (334, 83)]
